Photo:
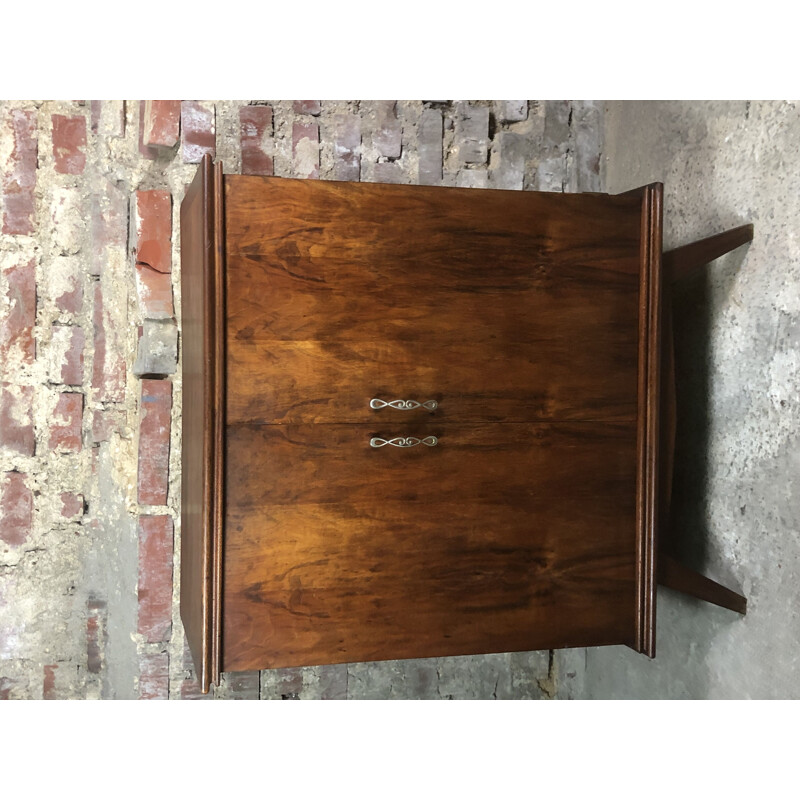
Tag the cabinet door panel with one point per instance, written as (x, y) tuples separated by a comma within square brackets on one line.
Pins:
[(302, 382), (444, 230), (509, 305), (505, 536), (336, 300)]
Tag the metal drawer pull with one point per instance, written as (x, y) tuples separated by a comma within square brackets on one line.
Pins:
[(403, 405), (404, 441)]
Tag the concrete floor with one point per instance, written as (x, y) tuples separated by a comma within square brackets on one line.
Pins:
[(736, 499)]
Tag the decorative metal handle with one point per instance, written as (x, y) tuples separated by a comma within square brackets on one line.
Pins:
[(403, 405), (403, 441)]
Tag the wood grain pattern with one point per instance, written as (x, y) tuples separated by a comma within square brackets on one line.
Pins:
[(219, 394), (502, 305), (647, 492), (296, 382), (530, 317), (202, 429), (376, 224), (339, 552)]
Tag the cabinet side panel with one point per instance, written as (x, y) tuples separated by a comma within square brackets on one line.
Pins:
[(196, 510)]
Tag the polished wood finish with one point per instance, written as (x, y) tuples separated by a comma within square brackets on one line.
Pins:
[(684, 262), (681, 264), (533, 319), (202, 302), (346, 553), (668, 410), (525, 316), (649, 352), (675, 575), (491, 307)]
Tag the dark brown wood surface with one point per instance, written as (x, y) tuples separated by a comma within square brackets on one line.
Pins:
[(501, 537), (202, 431), (649, 418), (690, 260), (675, 575), (525, 315), (680, 264), (499, 308)]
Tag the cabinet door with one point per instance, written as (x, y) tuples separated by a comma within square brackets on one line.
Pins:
[(498, 305), (515, 536), (519, 315)]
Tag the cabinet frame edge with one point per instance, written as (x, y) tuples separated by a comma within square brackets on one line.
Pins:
[(648, 433), (205, 645)]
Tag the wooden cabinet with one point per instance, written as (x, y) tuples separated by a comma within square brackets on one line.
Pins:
[(510, 505)]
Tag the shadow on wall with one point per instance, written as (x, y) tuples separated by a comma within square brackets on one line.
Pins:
[(688, 536)]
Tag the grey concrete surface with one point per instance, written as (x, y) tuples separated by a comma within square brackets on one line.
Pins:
[(736, 494)]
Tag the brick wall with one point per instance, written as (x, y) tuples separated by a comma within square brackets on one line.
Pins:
[(90, 389)]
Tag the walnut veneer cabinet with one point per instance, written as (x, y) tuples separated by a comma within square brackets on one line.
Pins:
[(422, 421)]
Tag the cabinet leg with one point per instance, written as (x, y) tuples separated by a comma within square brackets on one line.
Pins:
[(685, 261), (674, 575)]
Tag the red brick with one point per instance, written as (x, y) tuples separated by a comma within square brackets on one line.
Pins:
[(148, 152), (154, 432), (388, 136), (305, 149), (155, 578), (154, 229), (49, 682), (16, 423), (197, 131), (161, 123), (16, 329), (290, 682), (108, 367), (154, 254), (16, 509), (109, 222), (190, 690), (108, 117), (71, 301), (346, 147), (190, 687), (96, 621), (71, 505), (313, 107), (154, 676), (106, 421), (96, 107), (154, 290), (19, 174), (67, 220), (6, 685), (69, 139), (388, 172), (255, 124), (67, 424), (72, 368), (68, 343)]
